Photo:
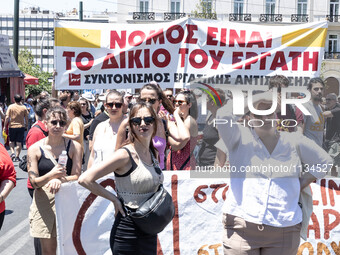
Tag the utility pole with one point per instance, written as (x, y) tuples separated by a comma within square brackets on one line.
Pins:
[(16, 31), (81, 11)]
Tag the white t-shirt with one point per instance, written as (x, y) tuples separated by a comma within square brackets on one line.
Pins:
[(265, 188)]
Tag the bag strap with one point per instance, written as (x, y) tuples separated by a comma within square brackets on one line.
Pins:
[(44, 132), (49, 155)]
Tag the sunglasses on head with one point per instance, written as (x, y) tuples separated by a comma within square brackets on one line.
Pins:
[(62, 123), (179, 102), (148, 100), (117, 105), (138, 120)]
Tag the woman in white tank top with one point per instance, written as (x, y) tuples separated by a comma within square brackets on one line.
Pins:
[(105, 135)]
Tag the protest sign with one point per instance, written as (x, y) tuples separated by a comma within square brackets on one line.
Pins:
[(84, 221), (107, 56)]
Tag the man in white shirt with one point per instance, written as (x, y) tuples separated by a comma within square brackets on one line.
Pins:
[(312, 125)]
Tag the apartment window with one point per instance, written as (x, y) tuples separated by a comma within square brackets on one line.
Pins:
[(207, 6), (238, 6), (302, 7), (334, 8), (175, 6), (144, 5), (332, 43), (270, 6)]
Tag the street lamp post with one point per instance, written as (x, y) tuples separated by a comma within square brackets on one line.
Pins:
[(41, 48)]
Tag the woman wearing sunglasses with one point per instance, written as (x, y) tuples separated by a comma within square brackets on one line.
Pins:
[(183, 132), (137, 177), (105, 134), (151, 93), (46, 176)]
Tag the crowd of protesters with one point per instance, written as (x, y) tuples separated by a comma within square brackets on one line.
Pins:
[(128, 133)]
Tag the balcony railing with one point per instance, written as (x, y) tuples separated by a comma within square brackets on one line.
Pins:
[(332, 55), (271, 17), (333, 18), (299, 18), (173, 15), (144, 16), (239, 17), (206, 15)]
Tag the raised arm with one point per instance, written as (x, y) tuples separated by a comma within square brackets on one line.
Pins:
[(121, 134), (119, 162)]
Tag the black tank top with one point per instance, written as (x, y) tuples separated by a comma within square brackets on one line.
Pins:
[(45, 164)]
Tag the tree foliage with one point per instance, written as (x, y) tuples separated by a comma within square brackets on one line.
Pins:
[(204, 10), (26, 65)]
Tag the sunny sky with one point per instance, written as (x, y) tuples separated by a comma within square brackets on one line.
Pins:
[(60, 5)]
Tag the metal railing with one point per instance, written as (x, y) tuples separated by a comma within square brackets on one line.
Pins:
[(333, 18), (144, 16), (299, 18), (270, 17), (239, 17), (173, 15), (332, 55), (206, 15)]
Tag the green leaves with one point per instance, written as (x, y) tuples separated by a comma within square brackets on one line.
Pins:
[(26, 65)]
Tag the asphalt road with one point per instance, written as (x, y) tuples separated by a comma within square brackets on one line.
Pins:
[(14, 234)]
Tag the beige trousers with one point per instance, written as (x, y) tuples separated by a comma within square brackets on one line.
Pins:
[(242, 237)]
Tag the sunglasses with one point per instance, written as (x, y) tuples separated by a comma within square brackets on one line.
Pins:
[(117, 105), (169, 96), (149, 100), (138, 120), (83, 104), (62, 123), (179, 102), (129, 97)]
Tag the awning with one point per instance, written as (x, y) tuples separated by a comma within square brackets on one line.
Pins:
[(30, 80)]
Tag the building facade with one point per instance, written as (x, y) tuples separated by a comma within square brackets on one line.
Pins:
[(264, 12), (35, 34), (36, 31)]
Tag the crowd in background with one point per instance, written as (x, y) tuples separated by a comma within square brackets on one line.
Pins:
[(154, 125)]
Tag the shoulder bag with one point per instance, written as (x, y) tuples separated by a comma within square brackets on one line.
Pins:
[(155, 213)]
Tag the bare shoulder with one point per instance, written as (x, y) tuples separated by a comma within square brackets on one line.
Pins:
[(191, 123), (34, 149)]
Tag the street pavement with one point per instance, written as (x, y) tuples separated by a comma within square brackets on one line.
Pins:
[(14, 234)]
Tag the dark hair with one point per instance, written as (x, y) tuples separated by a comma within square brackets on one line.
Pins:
[(190, 98), (117, 93), (53, 101), (17, 98), (167, 104), (75, 107), (135, 108), (39, 105), (56, 111), (314, 81), (278, 81), (71, 92), (88, 107)]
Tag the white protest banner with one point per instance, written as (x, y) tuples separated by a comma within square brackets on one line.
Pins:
[(107, 56), (85, 222)]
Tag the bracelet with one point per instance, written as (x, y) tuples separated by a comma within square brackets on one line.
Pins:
[(2, 197)]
